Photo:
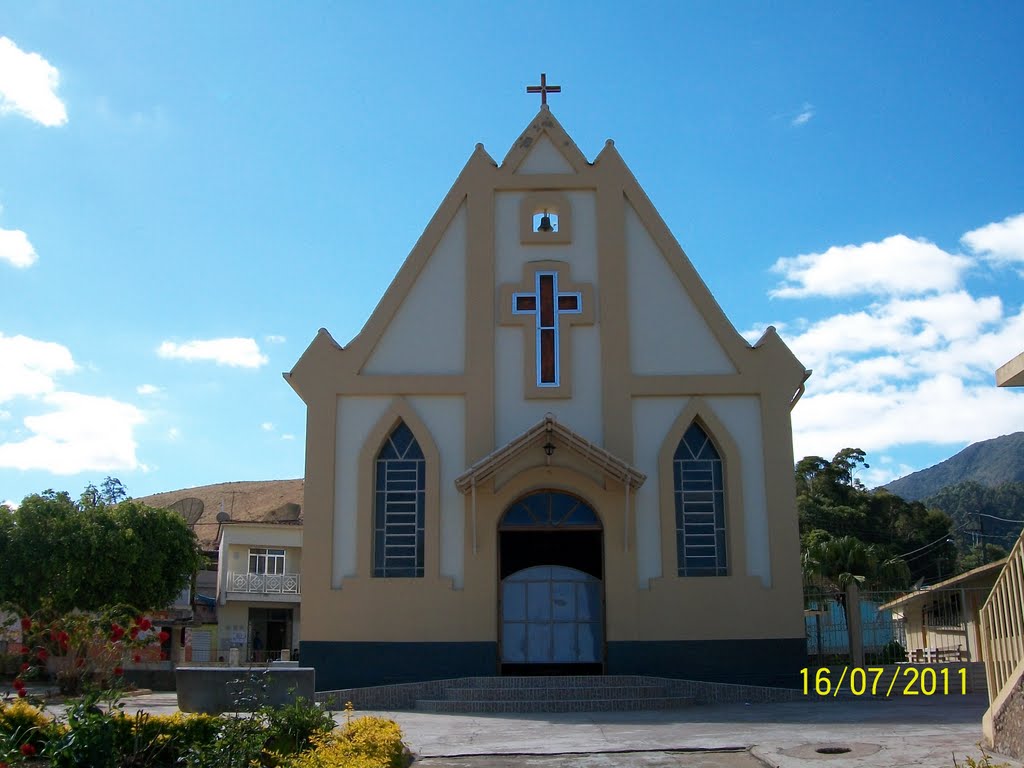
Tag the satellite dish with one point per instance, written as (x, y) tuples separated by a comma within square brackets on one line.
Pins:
[(189, 508), (223, 517)]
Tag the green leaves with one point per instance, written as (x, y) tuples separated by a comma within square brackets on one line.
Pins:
[(89, 555), (834, 504)]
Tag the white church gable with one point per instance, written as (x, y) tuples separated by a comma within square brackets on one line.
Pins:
[(428, 333), (667, 334), (544, 157)]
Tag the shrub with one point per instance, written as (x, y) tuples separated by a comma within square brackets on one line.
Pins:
[(93, 737), (293, 726), (367, 742), (165, 740), (237, 742), (24, 723)]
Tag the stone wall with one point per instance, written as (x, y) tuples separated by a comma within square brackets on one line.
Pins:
[(1008, 724)]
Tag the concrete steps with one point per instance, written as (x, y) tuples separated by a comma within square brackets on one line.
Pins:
[(554, 694)]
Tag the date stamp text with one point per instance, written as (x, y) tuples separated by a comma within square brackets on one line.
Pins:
[(884, 681)]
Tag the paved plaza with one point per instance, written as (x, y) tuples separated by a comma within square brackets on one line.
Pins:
[(895, 733)]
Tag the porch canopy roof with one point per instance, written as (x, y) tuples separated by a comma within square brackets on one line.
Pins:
[(951, 583), (549, 429)]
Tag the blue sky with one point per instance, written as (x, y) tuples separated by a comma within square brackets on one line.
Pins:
[(179, 214)]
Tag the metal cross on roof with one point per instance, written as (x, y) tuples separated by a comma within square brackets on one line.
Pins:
[(543, 89)]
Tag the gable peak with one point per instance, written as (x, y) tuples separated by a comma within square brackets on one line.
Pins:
[(544, 124)]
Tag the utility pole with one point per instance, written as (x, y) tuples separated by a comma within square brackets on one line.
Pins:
[(984, 544)]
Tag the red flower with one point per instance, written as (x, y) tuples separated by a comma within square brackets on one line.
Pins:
[(137, 658), (21, 693), (116, 631), (43, 654), (118, 671), (145, 624), (19, 683), (26, 623), (25, 666), (163, 656), (164, 636), (28, 750), (25, 651), (63, 637), (134, 633)]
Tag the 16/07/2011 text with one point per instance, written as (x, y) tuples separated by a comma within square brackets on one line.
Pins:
[(884, 681)]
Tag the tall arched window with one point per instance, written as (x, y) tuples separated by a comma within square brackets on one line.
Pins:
[(399, 503), (700, 506)]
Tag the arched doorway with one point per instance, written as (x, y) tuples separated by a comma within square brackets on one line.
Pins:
[(551, 570)]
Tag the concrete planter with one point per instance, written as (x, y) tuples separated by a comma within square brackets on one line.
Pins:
[(214, 690)]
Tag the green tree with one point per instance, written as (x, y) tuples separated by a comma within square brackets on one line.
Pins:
[(86, 555), (833, 504), (835, 564)]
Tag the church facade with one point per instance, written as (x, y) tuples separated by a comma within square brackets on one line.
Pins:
[(548, 450)]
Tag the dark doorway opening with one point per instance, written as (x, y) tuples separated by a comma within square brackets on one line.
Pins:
[(551, 570), (581, 550)]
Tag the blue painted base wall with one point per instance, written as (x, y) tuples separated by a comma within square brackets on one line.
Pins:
[(357, 665), (751, 662), (775, 662)]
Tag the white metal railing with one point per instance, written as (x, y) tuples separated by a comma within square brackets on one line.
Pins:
[(265, 583), (1002, 622)]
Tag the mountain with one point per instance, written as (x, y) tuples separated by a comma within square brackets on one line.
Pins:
[(989, 462), (262, 501)]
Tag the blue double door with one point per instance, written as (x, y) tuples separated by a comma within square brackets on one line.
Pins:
[(552, 593)]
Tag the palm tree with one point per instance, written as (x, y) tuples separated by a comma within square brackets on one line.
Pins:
[(831, 567)]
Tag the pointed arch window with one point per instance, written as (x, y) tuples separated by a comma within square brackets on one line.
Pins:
[(400, 499), (699, 493)]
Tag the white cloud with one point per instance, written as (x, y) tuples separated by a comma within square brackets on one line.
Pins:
[(28, 367), (147, 389), (287, 436), (173, 434), (940, 409), (897, 265), (15, 248), (275, 339), (914, 365), (896, 327), (999, 242), (804, 117), (12, 504), (82, 433), (28, 86), (237, 352), (267, 426), (4, 415)]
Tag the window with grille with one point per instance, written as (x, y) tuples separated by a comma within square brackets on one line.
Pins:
[(699, 494), (269, 561), (400, 497), (943, 612)]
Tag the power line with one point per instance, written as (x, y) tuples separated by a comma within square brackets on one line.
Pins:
[(943, 537), (1000, 519)]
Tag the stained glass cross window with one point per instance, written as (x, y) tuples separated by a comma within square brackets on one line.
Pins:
[(546, 303)]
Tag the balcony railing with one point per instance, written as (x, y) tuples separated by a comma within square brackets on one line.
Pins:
[(1002, 622), (265, 583)]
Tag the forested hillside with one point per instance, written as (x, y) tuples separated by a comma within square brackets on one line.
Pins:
[(979, 513), (989, 462), (848, 531)]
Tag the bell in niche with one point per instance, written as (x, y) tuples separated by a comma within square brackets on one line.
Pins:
[(545, 223)]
